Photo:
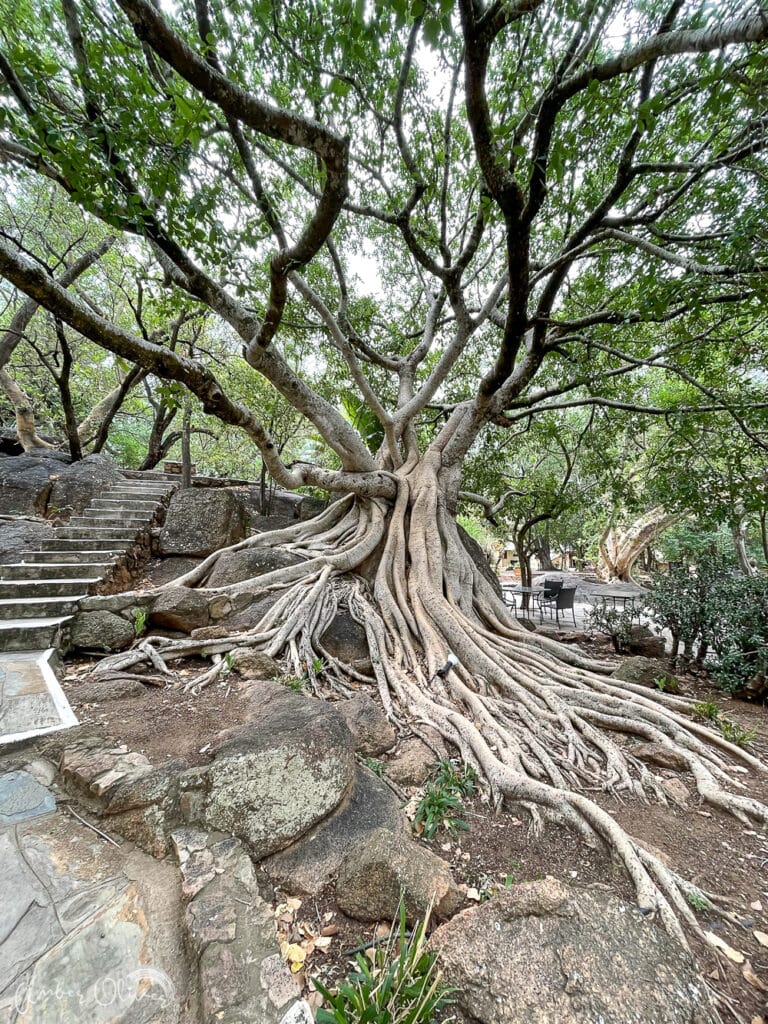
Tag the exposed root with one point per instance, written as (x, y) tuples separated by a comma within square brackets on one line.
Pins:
[(541, 723)]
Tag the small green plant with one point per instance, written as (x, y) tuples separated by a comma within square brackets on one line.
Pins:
[(139, 620), (318, 666), (698, 900), (706, 711), (734, 733), (376, 766), (667, 684), (401, 986), (295, 683), (438, 807), (455, 776)]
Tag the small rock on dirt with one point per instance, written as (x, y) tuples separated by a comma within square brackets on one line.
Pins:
[(101, 631), (180, 608), (658, 754), (253, 664), (413, 761)]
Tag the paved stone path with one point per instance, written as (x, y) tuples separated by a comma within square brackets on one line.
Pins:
[(89, 932), (31, 699)]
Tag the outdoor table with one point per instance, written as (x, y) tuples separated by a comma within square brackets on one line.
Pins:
[(527, 592), (606, 594)]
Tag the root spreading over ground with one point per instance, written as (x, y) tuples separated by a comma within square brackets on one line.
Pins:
[(538, 721)]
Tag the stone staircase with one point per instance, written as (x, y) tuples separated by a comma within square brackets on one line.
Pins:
[(41, 593)]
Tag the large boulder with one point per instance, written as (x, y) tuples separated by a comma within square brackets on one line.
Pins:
[(200, 521), (639, 671), (236, 566), (101, 631), (180, 608), (26, 482), (541, 952), (309, 865), (273, 779), (17, 538), (77, 485), (345, 639), (382, 866)]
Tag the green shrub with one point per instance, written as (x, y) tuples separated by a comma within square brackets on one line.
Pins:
[(613, 623), (714, 612), (401, 986)]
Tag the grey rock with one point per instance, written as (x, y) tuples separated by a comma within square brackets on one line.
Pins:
[(413, 761), (17, 538), (345, 639), (372, 732), (180, 608), (542, 953), (101, 631), (272, 780), (658, 754), (77, 485), (384, 864), (25, 484), (640, 671), (309, 865), (22, 797), (677, 791), (199, 522), (236, 566), (253, 664)]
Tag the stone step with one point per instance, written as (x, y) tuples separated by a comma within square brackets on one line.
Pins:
[(39, 607), (67, 587), (139, 489), (30, 634), (59, 556), (109, 506), (51, 570), (112, 545), (96, 532), (100, 520)]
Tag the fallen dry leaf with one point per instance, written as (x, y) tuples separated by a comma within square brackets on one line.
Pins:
[(762, 938), (323, 942), (757, 1020), (749, 975), (757, 905), (293, 953), (330, 929), (473, 894), (722, 945), (293, 903)]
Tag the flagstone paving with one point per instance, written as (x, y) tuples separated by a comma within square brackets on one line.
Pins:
[(31, 699)]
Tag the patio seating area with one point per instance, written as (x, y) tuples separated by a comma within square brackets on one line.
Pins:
[(566, 600)]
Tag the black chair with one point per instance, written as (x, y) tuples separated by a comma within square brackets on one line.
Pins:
[(564, 600), (551, 589)]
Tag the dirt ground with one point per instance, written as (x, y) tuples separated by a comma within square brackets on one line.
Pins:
[(713, 850)]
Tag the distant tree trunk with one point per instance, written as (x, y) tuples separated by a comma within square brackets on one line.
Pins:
[(158, 445), (543, 552), (186, 458), (764, 533), (26, 429), (620, 549), (95, 427), (65, 393), (739, 534)]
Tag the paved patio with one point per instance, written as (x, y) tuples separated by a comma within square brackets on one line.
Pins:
[(31, 699)]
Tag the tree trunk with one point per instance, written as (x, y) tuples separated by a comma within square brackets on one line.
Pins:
[(620, 549), (26, 428), (764, 534), (739, 534), (186, 457), (65, 394)]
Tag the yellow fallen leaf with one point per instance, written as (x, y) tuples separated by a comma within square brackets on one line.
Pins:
[(749, 975), (293, 952), (296, 967), (293, 903), (762, 938), (722, 945)]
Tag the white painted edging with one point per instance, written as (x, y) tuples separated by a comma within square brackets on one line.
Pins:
[(61, 704)]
